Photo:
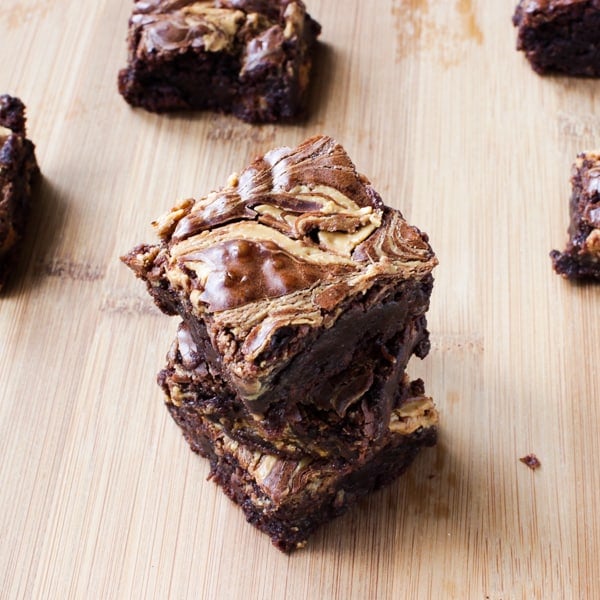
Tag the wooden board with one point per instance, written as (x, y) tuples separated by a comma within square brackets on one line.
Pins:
[(101, 497)]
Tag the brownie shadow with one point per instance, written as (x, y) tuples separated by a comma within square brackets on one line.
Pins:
[(389, 520), (45, 220), (321, 86)]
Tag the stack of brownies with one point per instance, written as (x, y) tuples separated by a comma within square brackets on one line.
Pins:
[(302, 298)]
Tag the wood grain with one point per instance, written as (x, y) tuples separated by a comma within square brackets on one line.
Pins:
[(101, 497)]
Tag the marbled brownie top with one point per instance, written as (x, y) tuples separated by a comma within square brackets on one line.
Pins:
[(256, 29)]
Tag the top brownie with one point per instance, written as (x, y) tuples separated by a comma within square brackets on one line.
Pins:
[(251, 58), (299, 287), (560, 36)]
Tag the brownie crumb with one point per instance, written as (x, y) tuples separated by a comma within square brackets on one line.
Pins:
[(532, 461)]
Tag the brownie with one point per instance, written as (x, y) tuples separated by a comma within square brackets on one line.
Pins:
[(18, 168), (289, 498), (300, 288), (581, 258), (560, 36), (251, 58), (196, 393)]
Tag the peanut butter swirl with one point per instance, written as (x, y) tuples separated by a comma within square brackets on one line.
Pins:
[(295, 220), (257, 26)]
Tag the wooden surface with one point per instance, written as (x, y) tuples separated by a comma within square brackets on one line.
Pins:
[(100, 495)]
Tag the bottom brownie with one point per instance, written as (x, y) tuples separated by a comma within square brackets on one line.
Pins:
[(191, 385), (581, 258), (289, 498)]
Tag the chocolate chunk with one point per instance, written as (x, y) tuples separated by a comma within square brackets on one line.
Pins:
[(532, 461)]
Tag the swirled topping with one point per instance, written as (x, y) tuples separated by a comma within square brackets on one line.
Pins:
[(195, 24), (253, 28), (296, 221)]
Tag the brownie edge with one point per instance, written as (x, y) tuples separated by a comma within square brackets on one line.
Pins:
[(18, 168)]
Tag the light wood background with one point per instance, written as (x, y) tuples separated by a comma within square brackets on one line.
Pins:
[(100, 496)]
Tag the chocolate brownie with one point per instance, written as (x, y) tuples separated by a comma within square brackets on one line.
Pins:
[(251, 58), (560, 36), (195, 393), (301, 290), (581, 258), (289, 498), (18, 167)]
